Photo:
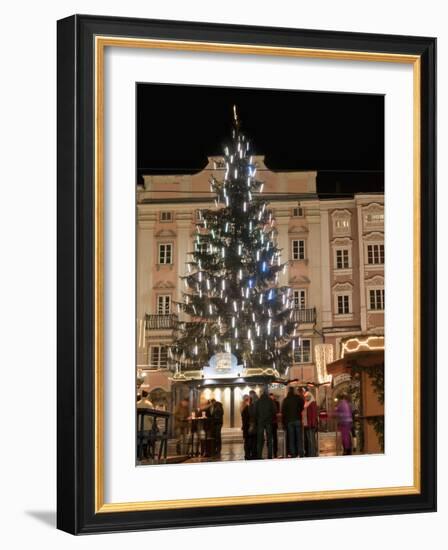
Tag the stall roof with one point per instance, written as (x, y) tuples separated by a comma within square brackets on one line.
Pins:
[(362, 359)]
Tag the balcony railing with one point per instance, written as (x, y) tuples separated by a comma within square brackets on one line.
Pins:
[(307, 315), (157, 322), (154, 322)]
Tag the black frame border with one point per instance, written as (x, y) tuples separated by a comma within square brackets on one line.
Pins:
[(76, 263)]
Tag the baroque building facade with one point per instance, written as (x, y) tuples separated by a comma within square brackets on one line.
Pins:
[(334, 249)]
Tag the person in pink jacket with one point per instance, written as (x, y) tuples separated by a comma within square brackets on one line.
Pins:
[(344, 414)]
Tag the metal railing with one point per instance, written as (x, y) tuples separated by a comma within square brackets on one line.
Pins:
[(153, 322), (307, 315)]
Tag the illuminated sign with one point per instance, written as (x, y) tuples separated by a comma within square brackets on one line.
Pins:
[(222, 365)]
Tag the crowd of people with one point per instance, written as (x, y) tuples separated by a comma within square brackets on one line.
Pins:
[(198, 430), (262, 416)]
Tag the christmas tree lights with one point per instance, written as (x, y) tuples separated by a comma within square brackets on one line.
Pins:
[(231, 291)]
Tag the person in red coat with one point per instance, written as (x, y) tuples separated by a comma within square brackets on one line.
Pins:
[(309, 417)]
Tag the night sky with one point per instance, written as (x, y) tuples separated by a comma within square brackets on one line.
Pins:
[(339, 135)]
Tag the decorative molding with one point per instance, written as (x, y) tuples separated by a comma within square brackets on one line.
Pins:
[(341, 215), (374, 211), (343, 273), (373, 207), (164, 285), (297, 230), (346, 286), (377, 280), (343, 242), (374, 236), (166, 233), (299, 280)]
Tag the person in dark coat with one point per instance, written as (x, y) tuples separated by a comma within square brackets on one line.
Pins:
[(252, 431), (292, 408), (245, 425), (216, 416), (265, 411), (275, 424)]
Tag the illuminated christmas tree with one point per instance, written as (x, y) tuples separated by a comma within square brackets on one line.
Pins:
[(231, 289)]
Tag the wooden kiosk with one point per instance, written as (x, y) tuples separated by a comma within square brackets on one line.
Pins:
[(361, 371)]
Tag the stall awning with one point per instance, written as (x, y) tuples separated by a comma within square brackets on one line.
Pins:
[(362, 359)]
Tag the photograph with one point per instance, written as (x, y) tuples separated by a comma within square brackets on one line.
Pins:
[(260, 258)]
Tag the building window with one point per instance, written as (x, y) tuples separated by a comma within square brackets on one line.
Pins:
[(377, 218), (199, 217), (159, 357), (376, 298), (342, 258), (163, 304), (297, 212), (375, 254), (302, 351), (300, 298), (298, 250), (342, 224), (343, 304), (165, 253), (166, 216)]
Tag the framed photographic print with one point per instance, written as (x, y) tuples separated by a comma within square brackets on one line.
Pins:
[(234, 205)]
